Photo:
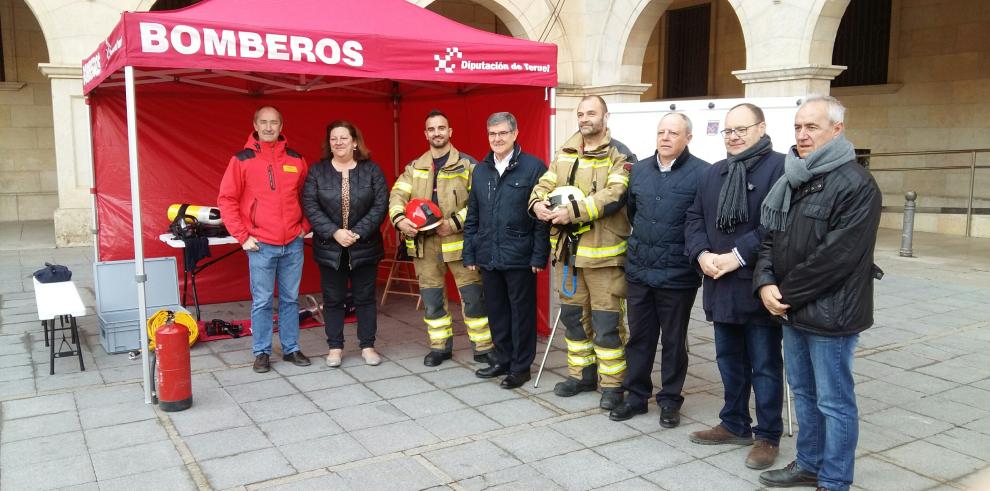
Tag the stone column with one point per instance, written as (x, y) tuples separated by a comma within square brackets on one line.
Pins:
[(788, 45), (785, 81), (73, 155)]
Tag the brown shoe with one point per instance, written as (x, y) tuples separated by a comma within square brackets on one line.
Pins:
[(262, 363), (297, 358), (719, 436), (762, 455)]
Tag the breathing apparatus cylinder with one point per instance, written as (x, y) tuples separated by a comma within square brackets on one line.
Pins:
[(204, 214)]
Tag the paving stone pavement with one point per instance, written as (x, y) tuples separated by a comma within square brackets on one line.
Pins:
[(923, 383)]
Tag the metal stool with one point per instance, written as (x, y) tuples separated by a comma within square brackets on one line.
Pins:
[(64, 323)]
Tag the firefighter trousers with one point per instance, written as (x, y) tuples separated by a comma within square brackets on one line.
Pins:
[(431, 272), (592, 311)]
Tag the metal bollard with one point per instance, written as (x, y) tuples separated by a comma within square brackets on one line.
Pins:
[(907, 229)]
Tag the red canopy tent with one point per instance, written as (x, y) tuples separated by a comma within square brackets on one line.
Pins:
[(201, 71)]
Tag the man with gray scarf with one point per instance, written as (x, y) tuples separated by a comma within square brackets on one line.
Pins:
[(815, 271), (723, 237)]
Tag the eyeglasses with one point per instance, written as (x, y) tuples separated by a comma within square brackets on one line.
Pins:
[(500, 134), (740, 132)]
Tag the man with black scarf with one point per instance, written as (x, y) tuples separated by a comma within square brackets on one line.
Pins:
[(723, 237)]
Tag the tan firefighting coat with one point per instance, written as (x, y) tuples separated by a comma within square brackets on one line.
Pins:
[(602, 225), (453, 184)]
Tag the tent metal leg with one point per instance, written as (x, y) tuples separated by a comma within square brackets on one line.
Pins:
[(139, 276)]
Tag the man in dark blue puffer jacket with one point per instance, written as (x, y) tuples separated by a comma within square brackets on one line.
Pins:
[(662, 283)]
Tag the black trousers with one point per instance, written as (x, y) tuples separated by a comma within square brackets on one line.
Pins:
[(657, 314), (334, 284), (510, 296)]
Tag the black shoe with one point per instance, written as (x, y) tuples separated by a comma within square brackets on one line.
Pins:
[(492, 371), (261, 363), (515, 380), (435, 358), (626, 411), (572, 387), (670, 417), (298, 359), (788, 477), (486, 357), (611, 399)]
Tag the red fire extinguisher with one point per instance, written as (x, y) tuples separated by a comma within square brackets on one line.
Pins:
[(173, 371)]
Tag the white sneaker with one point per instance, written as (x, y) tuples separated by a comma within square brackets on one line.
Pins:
[(333, 358), (371, 357)]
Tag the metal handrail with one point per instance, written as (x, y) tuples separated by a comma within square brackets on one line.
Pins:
[(929, 152), (947, 167), (972, 171)]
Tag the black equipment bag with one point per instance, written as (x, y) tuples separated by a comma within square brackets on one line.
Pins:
[(53, 273)]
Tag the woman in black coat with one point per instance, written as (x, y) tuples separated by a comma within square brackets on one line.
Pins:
[(345, 199)]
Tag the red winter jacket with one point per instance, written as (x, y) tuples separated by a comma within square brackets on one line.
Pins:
[(260, 193)]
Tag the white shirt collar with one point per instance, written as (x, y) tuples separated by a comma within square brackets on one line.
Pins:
[(665, 168), (503, 164)]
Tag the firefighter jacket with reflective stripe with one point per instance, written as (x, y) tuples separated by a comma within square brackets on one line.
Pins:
[(260, 193), (452, 182), (599, 221)]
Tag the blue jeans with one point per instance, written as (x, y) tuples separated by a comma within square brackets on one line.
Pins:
[(819, 370), (748, 356), (267, 265)]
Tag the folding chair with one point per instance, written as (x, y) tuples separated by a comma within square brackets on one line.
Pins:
[(401, 279)]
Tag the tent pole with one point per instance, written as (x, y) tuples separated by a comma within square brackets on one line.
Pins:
[(553, 123), (94, 223), (395, 129), (553, 300), (139, 276)]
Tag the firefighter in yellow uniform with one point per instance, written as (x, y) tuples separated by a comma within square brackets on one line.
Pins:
[(442, 175), (589, 244)]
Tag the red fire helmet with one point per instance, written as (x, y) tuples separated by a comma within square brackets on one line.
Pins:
[(424, 213)]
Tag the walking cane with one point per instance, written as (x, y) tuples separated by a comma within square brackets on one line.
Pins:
[(790, 421), (536, 384)]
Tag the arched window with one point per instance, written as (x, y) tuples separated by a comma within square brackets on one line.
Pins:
[(6, 40), (172, 4), (3, 73), (470, 13), (863, 43)]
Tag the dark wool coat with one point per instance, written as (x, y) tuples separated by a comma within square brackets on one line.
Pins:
[(730, 298)]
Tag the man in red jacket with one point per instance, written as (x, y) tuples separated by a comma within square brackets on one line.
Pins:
[(260, 204)]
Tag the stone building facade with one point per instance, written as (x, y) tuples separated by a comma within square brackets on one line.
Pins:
[(935, 96)]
